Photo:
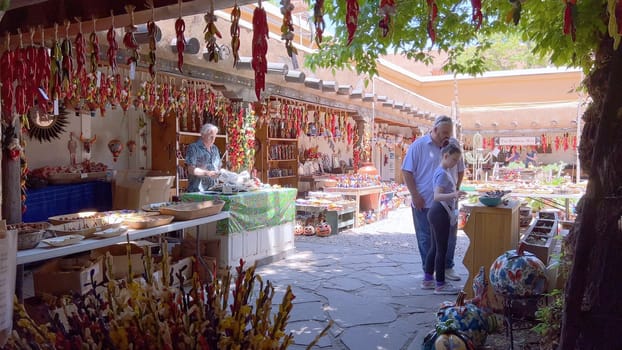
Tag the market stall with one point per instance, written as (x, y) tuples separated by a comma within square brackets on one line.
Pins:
[(260, 225)]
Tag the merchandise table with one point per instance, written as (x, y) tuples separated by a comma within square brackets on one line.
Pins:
[(41, 253), (260, 226), (549, 199), (370, 196)]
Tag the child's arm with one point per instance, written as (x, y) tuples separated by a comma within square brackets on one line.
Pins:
[(439, 196)]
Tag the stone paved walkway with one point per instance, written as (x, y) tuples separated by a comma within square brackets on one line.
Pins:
[(366, 280)]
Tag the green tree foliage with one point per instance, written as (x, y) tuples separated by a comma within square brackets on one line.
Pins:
[(541, 23)]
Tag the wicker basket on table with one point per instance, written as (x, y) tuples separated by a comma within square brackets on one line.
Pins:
[(29, 234)]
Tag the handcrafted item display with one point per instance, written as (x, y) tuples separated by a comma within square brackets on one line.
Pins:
[(85, 227), (142, 222), (63, 240), (192, 210), (517, 273), (467, 318)]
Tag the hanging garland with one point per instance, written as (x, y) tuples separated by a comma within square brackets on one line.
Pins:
[(260, 49), (352, 17), (180, 27), (241, 137), (287, 28), (211, 33), (113, 47), (94, 53), (235, 33), (318, 20), (129, 40)]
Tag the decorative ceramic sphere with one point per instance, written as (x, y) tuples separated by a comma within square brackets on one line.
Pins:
[(467, 318), (518, 273), (323, 229), (309, 230), (299, 230)]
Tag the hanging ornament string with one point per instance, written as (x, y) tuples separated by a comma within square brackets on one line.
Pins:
[(235, 33), (6, 77), (80, 44), (570, 15), (180, 27), (352, 17), (477, 16), (113, 47), (129, 40), (67, 71), (287, 28), (151, 31), (432, 14), (318, 20), (387, 9), (94, 43), (260, 49), (56, 67), (43, 69), (21, 107), (211, 33)]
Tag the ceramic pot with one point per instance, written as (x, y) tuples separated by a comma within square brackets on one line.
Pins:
[(468, 319), (518, 273), (299, 230), (323, 229), (367, 168), (309, 230)]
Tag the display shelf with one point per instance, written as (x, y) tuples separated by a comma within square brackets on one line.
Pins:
[(267, 157), (282, 177), (281, 140), (371, 192), (283, 160)]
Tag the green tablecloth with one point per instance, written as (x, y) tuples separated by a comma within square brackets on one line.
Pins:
[(251, 211)]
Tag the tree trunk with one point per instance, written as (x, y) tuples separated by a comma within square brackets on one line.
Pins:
[(593, 304)]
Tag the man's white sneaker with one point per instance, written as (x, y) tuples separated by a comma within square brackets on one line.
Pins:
[(451, 275)]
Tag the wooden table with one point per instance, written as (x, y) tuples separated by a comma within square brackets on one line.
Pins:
[(371, 196)]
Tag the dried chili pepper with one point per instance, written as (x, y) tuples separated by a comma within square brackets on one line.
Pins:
[(477, 16), (570, 15), (432, 13), (260, 49), (235, 33), (180, 27), (80, 44), (129, 40), (211, 33), (113, 47), (56, 69), (352, 17), (318, 20), (514, 14), (6, 78), (94, 54), (67, 71)]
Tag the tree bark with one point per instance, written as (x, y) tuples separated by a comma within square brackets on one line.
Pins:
[(592, 302)]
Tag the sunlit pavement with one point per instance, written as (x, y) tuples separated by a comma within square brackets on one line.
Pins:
[(366, 280)]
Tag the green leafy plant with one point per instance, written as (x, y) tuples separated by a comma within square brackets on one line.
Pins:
[(549, 319)]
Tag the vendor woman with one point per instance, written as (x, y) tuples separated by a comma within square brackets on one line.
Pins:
[(203, 160)]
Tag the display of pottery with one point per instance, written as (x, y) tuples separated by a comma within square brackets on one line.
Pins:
[(467, 318), (518, 273), (323, 229)]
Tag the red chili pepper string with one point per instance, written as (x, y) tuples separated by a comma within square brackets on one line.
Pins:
[(318, 20), (180, 27), (570, 15), (477, 16), (129, 40), (287, 28), (352, 16), (260, 49), (67, 72), (151, 30), (113, 47), (235, 33), (94, 55), (432, 13), (6, 76), (387, 9), (80, 44)]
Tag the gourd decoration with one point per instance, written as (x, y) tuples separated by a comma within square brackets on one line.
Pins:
[(299, 230), (467, 319), (518, 273), (323, 229), (309, 230)]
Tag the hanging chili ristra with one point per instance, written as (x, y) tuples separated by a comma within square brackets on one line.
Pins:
[(318, 20), (570, 15), (180, 27), (113, 47), (287, 27), (211, 33), (67, 71), (6, 78), (432, 13), (235, 33), (129, 40), (56, 66), (260, 49), (477, 16), (387, 9), (151, 30), (352, 17), (514, 14), (94, 54), (80, 44)]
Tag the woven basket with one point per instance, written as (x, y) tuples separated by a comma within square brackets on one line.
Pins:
[(193, 210), (29, 234)]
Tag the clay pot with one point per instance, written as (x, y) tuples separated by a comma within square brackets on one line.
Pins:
[(309, 230), (367, 168), (518, 273), (323, 230)]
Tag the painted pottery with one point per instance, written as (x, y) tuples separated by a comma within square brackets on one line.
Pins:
[(518, 273), (323, 229), (299, 230), (309, 230), (467, 318)]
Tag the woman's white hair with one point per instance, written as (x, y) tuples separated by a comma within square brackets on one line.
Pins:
[(206, 128)]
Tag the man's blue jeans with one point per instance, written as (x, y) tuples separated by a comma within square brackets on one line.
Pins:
[(424, 236)]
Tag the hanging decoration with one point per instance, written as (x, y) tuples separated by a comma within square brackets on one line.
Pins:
[(260, 49), (514, 14), (180, 27), (387, 9), (151, 33), (115, 146), (235, 33), (287, 28), (87, 143), (318, 20), (56, 68), (131, 146), (6, 80), (94, 45), (113, 47), (129, 40), (477, 16), (352, 18), (432, 14), (570, 17), (45, 126), (240, 127), (67, 70), (211, 33)]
